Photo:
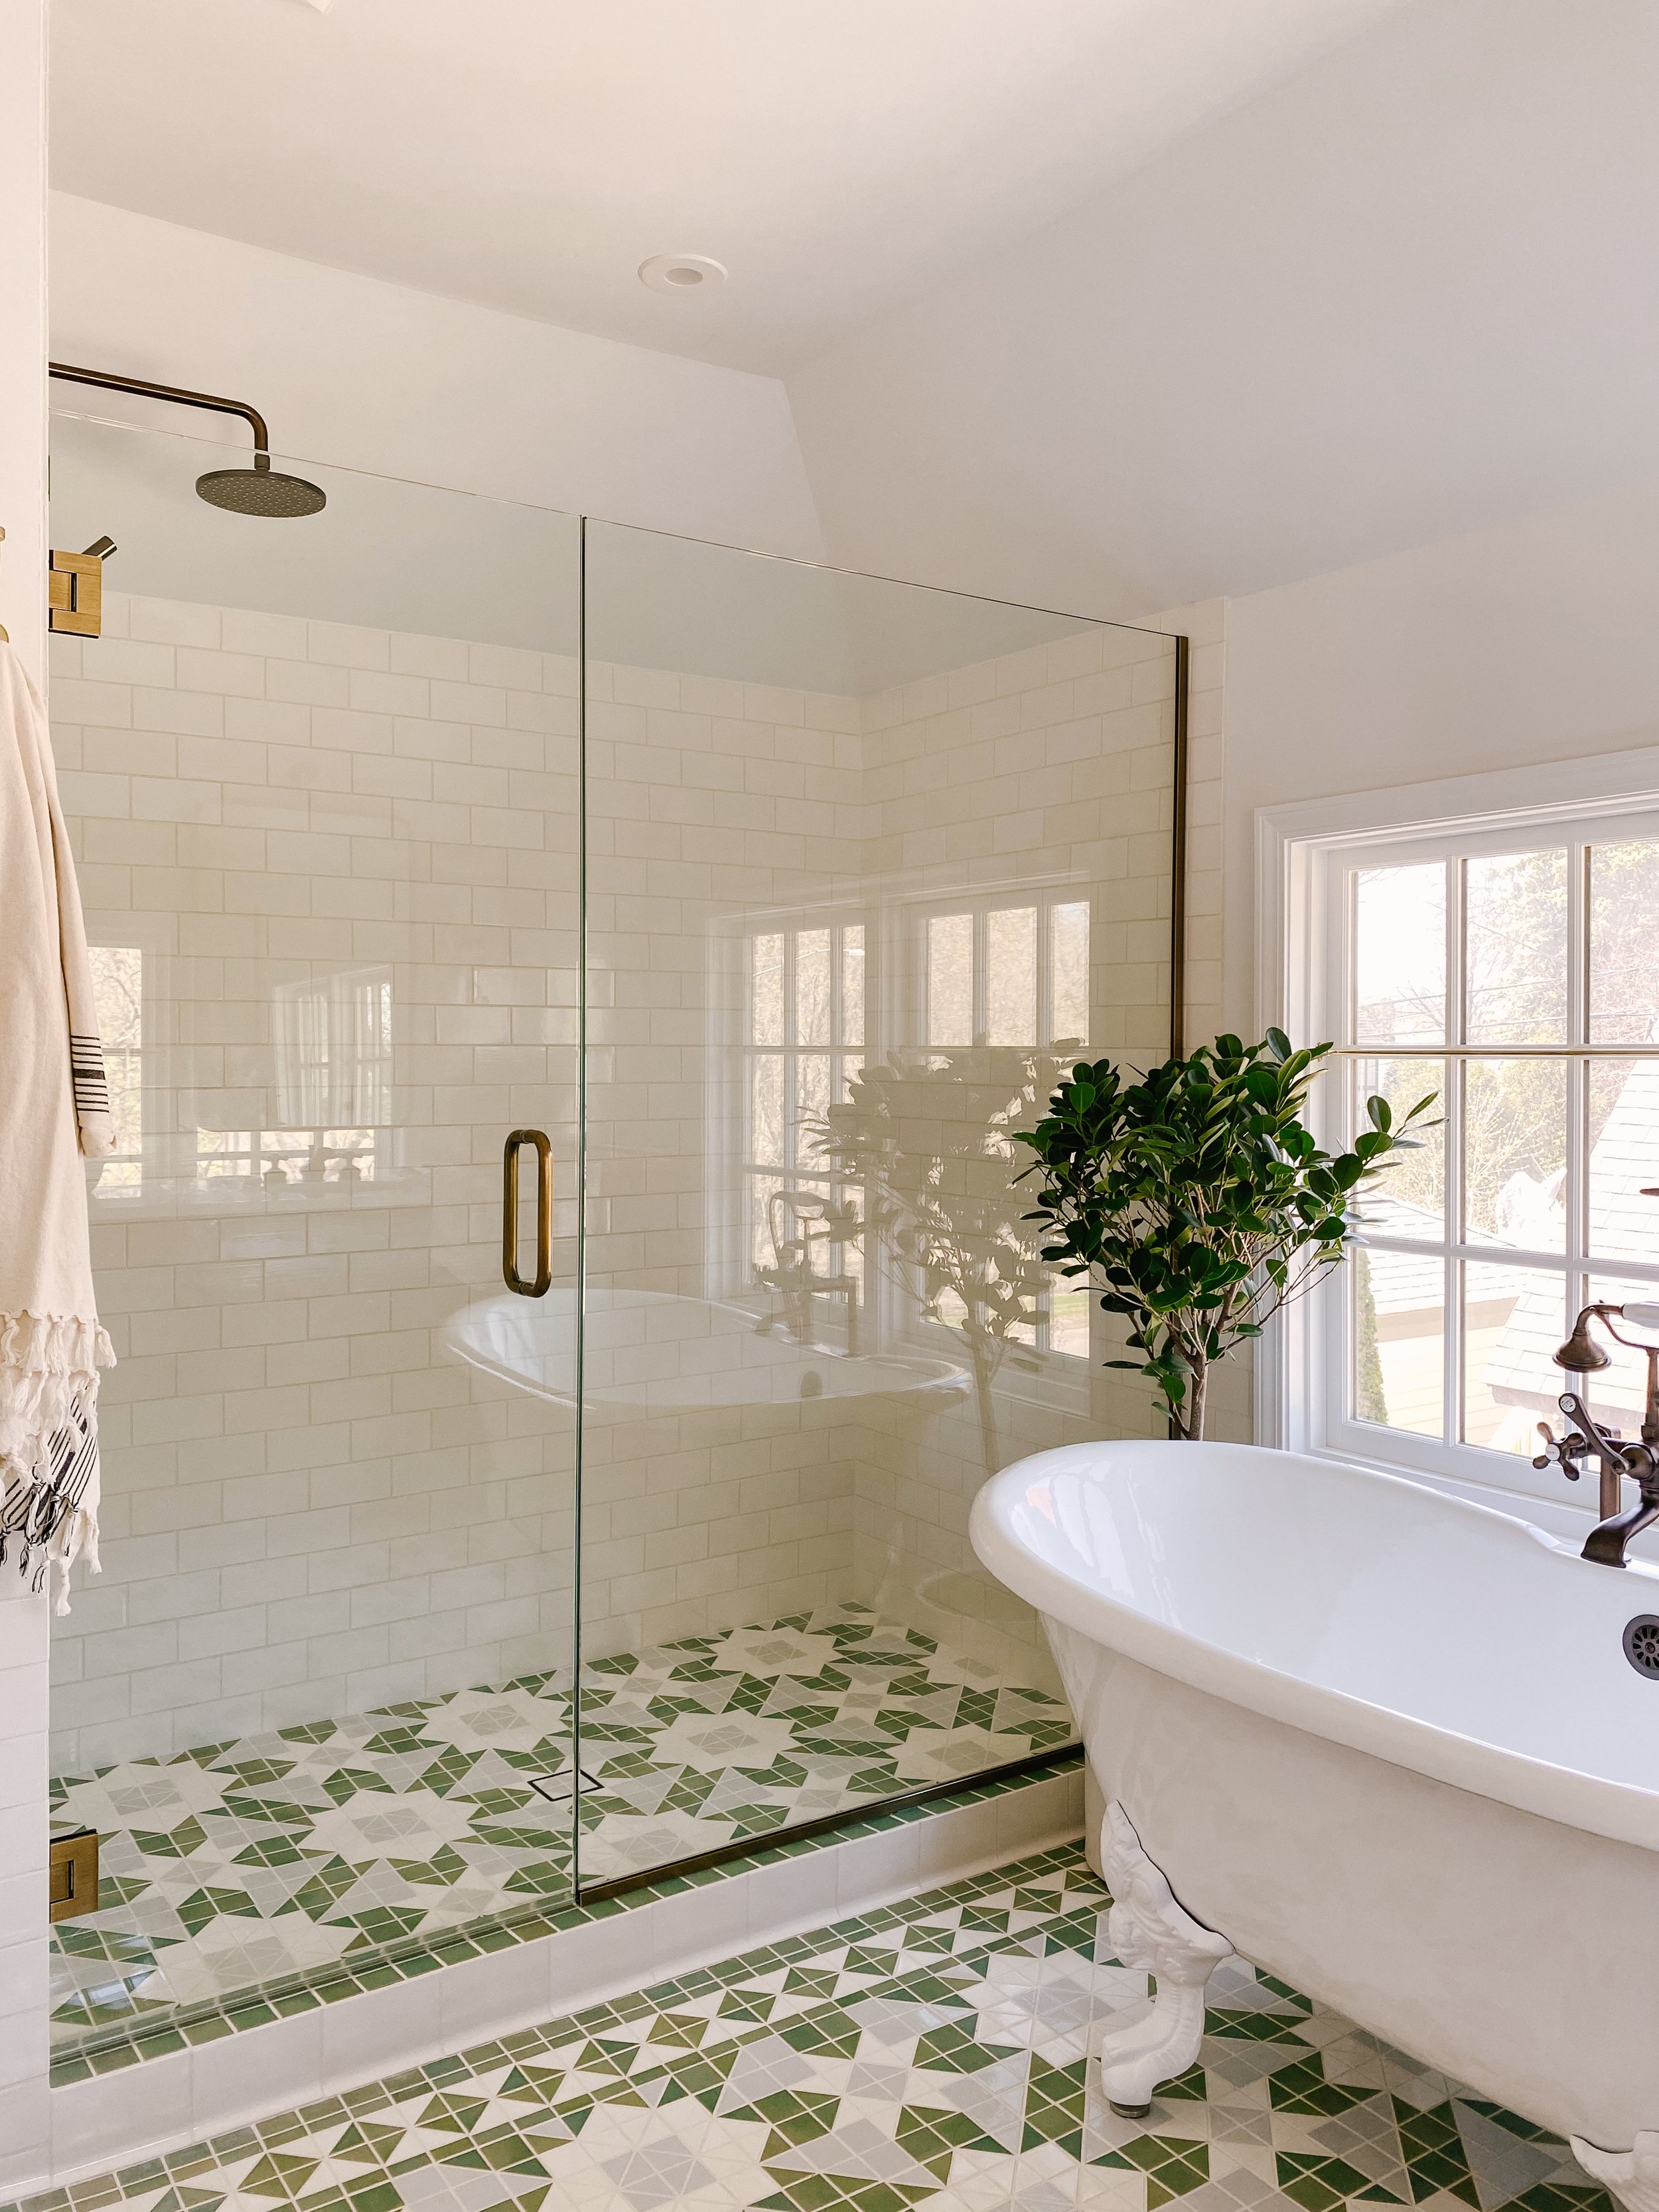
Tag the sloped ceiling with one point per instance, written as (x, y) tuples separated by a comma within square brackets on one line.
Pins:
[(1410, 292), (838, 155)]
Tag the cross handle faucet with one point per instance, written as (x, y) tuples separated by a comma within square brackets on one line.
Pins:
[(1590, 1439)]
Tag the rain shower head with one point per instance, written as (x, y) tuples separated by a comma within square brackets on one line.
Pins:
[(259, 490)]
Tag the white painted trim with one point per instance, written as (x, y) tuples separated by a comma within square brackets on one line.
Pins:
[(169, 2103), (1291, 842)]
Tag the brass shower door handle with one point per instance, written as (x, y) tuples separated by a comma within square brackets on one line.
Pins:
[(510, 1152)]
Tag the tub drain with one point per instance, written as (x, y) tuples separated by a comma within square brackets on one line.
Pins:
[(1642, 1645)]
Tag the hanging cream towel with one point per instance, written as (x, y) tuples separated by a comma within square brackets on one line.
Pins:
[(54, 1107)]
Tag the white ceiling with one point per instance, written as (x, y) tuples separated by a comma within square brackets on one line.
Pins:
[(839, 156)]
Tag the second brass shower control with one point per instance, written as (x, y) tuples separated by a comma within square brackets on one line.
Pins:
[(510, 1152)]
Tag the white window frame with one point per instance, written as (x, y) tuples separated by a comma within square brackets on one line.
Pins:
[(1303, 853)]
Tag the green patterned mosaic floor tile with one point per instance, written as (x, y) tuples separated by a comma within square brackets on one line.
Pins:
[(312, 1848), (937, 2054)]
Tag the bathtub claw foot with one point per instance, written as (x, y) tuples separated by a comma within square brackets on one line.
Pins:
[(1631, 2176), (1148, 1930)]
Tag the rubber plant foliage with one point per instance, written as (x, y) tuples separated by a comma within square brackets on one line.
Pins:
[(1197, 1201)]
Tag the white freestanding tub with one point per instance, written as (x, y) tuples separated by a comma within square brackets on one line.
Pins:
[(1386, 1743)]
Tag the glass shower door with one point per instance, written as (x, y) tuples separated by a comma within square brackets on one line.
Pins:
[(867, 867), (321, 775)]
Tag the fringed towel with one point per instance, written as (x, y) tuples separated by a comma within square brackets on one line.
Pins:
[(54, 1107)]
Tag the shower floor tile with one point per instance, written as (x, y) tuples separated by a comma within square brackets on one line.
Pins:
[(236, 1865), (936, 2054)]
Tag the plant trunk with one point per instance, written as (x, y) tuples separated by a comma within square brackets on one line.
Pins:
[(985, 1367), (1188, 1423)]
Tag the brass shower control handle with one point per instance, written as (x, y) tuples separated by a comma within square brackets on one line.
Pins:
[(510, 1152)]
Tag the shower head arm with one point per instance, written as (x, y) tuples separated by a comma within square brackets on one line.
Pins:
[(104, 380)]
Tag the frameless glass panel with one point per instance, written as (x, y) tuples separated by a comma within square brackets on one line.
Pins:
[(1399, 1323), (1513, 1319), (1400, 955), (815, 1318), (1624, 976), (320, 775), (1515, 1153), (1515, 949)]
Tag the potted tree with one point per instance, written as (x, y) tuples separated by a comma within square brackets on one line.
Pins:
[(1196, 1200)]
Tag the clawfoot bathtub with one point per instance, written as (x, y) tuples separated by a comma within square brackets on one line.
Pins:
[(1388, 1745)]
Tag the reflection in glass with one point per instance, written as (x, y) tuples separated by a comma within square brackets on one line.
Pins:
[(1515, 1153), (117, 983), (766, 989), (1399, 1340), (1400, 955), (852, 983), (950, 979), (1516, 948), (1513, 1319), (1010, 951), (1068, 970), (1624, 929), (812, 987)]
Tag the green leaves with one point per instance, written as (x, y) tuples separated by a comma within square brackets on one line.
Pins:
[(1197, 1198)]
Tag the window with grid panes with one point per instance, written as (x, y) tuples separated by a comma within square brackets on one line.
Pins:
[(806, 1015), (1013, 976), (1519, 979)]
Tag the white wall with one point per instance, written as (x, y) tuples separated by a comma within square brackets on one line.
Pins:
[(1408, 293), (375, 376), (24, 2124), (1534, 643)]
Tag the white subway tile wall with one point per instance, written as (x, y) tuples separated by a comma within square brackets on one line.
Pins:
[(345, 861)]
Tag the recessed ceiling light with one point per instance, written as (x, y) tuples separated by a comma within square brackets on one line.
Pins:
[(681, 272)]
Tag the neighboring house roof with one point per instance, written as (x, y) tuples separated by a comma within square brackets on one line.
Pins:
[(1623, 1225)]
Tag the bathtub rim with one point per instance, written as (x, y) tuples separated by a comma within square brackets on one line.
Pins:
[(1569, 1796)]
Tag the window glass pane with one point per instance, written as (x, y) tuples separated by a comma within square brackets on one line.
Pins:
[(763, 1247), (813, 1101), (812, 987), (1513, 1319), (1624, 988), (1408, 1199), (1624, 1158), (1068, 973), (1010, 976), (852, 1067), (1515, 1153), (1399, 1340), (852, 984), (950, 979), (766, 990), (1400, 952), (766, 1106), (1068, 1322), (1516, 923), (1616, 1393)]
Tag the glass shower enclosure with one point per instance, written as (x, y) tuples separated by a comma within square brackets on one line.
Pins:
[(459, 1563)]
